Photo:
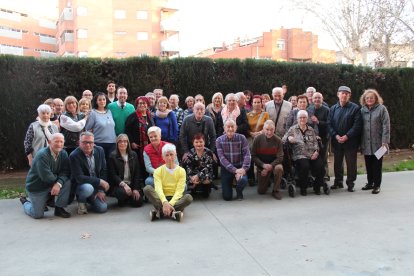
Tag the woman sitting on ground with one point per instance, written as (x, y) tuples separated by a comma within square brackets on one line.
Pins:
[(123, 170), (199, 167)]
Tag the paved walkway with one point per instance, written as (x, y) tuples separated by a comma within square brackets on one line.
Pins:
[(341, 234)]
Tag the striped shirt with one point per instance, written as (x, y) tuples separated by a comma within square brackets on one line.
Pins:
[(233, 153)]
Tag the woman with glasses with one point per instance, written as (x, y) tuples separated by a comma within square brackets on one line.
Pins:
[(136, 128), (305, 152), (101, 124), (123, 171), (72, 123)]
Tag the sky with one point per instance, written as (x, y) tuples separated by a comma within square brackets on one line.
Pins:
[(204, 24)]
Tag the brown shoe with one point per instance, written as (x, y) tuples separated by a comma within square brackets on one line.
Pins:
[(277, 195)]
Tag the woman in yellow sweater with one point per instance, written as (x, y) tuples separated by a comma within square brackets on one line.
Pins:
[(167, 195)]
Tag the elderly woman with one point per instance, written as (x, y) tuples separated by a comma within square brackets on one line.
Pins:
[(152, 153), (166, 120), (375, 134), (305, 152), (136, 127), (302, 104), (189, 102), (53, 117), (85, 105), (101, 124), (233, 112), (39, 132), (72, 123), (168, 195), (123, 168), (199, 167), (256, 119)]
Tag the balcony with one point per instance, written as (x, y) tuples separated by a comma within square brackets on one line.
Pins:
[(169, 47), (169, 26)]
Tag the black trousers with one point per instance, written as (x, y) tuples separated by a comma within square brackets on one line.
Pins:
[(317, 168), (351, 165), (123, 198), (374, 170)]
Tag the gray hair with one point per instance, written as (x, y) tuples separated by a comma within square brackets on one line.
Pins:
[(239, 95), (150, 94), (277, 89), (57, 135), (168, 148), (301, 113), (269, 123), (230, 95), (154, 129), (230, 121), (217, 94), (310, 89), (197, 105), (86, 133), (44, 108), (189, 98), (174, 95)]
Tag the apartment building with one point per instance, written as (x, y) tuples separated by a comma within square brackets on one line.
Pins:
[(278, 44), (111, 28), (24, 35)]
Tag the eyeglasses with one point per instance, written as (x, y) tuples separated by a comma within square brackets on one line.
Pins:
[(142, 103), (88, 143)]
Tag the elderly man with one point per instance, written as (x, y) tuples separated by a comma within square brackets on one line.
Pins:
[(168, 196), (49, 173), (309, 94), (59, 107), (241, 100), (267, 154), (110, 89), (121, 110), (234, 154), (319, 115), (89, 174), (345, 126), (158, 92), (197, 123), (279, 110), (174, 100), (87, 94), (151, 106)]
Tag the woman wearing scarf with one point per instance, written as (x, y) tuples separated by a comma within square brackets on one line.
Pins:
[(136, 127), (166, 120), (39, 132), (233, 112)]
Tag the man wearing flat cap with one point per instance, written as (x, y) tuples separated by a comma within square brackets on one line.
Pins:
[(345, 126)]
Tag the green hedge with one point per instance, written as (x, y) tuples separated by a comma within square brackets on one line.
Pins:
[(26, 82)]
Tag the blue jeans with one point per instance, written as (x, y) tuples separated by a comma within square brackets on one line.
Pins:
[(86, 193), (36, 206), (227, 184), (149, 181)]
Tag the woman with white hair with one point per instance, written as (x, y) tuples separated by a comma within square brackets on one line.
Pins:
[(39, 132), (233, 112), (305, 152), (167, 195)]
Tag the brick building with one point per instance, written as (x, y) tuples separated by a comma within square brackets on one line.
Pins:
[(280, 45)]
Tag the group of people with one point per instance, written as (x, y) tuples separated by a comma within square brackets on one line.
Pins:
[(156, 151)]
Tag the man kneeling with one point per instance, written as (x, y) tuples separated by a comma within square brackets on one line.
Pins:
[(169, 181), (49, 173)]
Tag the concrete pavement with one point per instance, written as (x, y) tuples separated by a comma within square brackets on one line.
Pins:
[(341, 234)]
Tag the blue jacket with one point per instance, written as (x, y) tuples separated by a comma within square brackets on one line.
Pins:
[(80, 168), (345, 120)]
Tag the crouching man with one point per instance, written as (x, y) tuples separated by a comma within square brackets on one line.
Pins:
[(50, 173), (167, 195)]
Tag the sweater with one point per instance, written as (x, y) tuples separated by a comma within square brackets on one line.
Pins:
[(36, 139), (120, 115), (46, 171), (168, 126), (267, 150), (191, 127), (284, 113), (167, 184), (102, 125)]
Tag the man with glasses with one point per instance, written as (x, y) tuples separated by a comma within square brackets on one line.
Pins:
[(89, 174), (87, 94)]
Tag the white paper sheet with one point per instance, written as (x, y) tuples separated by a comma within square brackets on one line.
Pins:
[(380, 152)]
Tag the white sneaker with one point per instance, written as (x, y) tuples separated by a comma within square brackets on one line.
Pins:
[(82, 208), (154, 215), (178, 215)]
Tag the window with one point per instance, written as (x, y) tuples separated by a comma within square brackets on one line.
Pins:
[(120, 14), (142, 36), (82, 11), (143, 15), (82, 33), (280, 44), (120, 33)]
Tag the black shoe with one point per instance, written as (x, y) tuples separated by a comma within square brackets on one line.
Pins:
[(23, 199), (51, 201), (303, 192), (368, 187), (121, 203), (376, 190), (317, 191), (252, 182), (337, 185), (60, 212), (326, 189), (351, 189)]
